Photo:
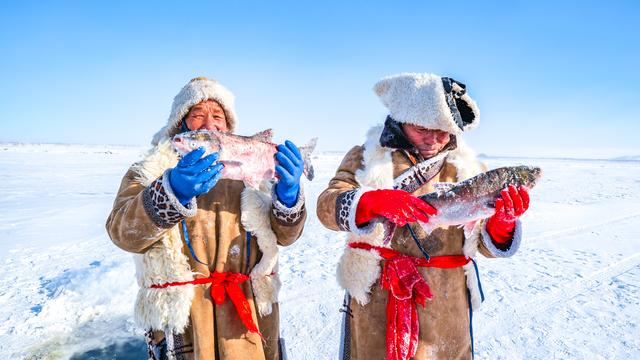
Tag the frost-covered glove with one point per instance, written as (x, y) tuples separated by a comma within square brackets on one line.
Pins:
[(195, 175), (398, 206), (290, 167), (509, 207)]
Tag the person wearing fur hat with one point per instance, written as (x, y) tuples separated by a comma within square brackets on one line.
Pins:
[(206, 248), (388, 283)]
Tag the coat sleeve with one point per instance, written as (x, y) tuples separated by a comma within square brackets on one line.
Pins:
[(141, 214), (491, 249), (287, 223), (336, 207)]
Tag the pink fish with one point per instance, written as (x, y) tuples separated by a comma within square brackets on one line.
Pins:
[(247, 158)]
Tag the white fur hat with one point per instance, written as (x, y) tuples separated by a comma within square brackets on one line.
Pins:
[(197, 90), (429, 101)]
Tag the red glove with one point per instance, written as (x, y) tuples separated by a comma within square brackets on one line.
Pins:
[(398, 206), (513, 203)]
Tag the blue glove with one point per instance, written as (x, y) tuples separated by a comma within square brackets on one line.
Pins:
[(194, 175), (290, 167)]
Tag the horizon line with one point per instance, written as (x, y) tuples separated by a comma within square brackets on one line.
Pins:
[(481, 155)]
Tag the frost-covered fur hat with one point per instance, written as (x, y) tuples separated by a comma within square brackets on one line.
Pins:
[(429, 101), (196, 91)]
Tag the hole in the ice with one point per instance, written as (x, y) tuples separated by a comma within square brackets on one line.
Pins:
[(133, 349)]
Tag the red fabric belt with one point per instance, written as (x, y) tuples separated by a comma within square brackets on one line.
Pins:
[(221, 283), (406, 288)]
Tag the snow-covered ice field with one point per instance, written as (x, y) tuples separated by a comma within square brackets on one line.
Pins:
[(572, 291)]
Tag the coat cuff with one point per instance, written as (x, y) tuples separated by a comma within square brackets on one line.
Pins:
[(284, 215), (346, 206), (502, 250), (162, 206)]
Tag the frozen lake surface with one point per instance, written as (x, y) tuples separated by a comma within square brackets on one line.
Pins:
[(571, 292)]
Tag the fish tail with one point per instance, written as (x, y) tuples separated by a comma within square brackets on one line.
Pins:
[(306, 156), (389, 230), (427, 227)]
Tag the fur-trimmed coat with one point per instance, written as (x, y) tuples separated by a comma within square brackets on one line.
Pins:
[(146, 219), (444, 323)]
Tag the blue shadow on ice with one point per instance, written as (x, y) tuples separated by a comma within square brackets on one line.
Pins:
[(134, 349), (53, 286)]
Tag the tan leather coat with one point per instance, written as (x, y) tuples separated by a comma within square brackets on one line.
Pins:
[(444, 323), (219, 240)]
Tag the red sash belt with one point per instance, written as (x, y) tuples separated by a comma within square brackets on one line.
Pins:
[(406, 288), (221, 283)]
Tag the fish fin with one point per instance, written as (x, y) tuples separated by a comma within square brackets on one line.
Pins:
[(468, 227), (263, 136), (428, 228), (306, 151), (443, 187), (389, 230)]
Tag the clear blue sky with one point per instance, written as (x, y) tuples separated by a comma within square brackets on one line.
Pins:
[(552, 78)]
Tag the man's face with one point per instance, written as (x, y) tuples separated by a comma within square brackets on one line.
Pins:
[(207, 115), (428, 142)]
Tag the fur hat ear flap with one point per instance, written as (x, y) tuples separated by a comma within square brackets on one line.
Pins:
[(466, 113), (463, 109)]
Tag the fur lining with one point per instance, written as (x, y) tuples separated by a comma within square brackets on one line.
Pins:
[(255, 217), (475, 109), (165, 309), (187, 211), (378, 170), (465, 161), (472, 285), (155, 162), (472, 234), (169, 309), (471, 238), (358, 269), (353, 227), (515, 243), (287, 215), (196, 91)]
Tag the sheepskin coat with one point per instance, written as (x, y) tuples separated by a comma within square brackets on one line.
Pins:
[(147, 220), (444, 322)]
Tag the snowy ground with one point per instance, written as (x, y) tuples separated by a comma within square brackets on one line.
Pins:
[(67, 292)]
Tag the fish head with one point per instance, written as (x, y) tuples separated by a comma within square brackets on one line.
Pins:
[(526, 176), (186, 142)]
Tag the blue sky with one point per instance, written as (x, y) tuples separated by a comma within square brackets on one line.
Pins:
[(551, 78)]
